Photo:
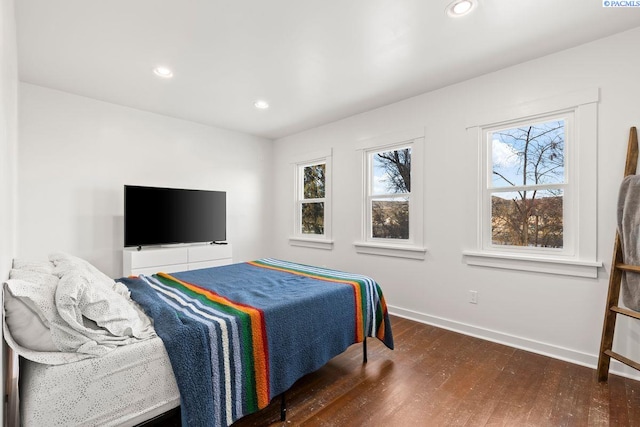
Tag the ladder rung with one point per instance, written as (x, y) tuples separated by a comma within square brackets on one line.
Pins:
[(620, 358), (628, 267), (630, 313)]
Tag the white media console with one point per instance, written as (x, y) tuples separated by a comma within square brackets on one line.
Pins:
[(172, 259)]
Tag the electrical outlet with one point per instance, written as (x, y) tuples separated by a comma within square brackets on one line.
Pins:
[(473, 297)]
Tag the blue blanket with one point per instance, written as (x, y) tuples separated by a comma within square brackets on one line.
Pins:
[(239, 335)]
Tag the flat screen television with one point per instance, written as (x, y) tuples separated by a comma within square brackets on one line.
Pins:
[(161, 216)]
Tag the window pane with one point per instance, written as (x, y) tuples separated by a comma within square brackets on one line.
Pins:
[(528, 155), (313, 181), (312, 218), (390, 218), (527, 218), (391, 172)]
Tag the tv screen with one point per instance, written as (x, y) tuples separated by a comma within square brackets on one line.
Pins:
[(158, 216)]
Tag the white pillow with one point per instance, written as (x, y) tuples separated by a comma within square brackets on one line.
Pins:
[(26, 326), (36, 290), (40, 278), (45, 267), (45, 357), (35, 277), (43, 299)]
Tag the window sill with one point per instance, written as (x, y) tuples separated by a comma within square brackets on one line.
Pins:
[(399, 251), (310, 242), (560, 266)]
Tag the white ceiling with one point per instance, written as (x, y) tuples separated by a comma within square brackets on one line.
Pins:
[(315, 61)]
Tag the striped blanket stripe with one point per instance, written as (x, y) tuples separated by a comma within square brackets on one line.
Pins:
[(237, 335)]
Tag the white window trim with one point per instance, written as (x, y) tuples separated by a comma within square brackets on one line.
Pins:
[(297, 238), (580, 260), (413, 248)]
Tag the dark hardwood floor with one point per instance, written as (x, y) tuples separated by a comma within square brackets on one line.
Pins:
[(439, 378)]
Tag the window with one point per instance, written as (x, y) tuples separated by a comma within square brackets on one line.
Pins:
[(312, 211), (537, 187), (526, 189), (389, 197), (311, 199), (392, 195)]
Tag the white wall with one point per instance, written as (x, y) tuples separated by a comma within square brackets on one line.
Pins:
[(76, 153), (557, 315), (8, 133), (8, 141)]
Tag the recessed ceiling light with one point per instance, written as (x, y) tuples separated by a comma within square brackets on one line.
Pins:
[(260, 104), (163, 72), (460, 7)]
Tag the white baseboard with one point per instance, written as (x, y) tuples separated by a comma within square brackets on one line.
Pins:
[(545, 349)]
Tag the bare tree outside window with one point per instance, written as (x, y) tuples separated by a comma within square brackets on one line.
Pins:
[(390, 194), (397, 169), (528, 178)]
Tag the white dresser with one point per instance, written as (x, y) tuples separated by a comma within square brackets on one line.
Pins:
[(172, 259)]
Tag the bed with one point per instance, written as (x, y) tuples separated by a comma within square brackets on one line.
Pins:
[(229, 340)]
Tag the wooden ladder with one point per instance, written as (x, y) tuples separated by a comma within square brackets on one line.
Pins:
[(618, 267)]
